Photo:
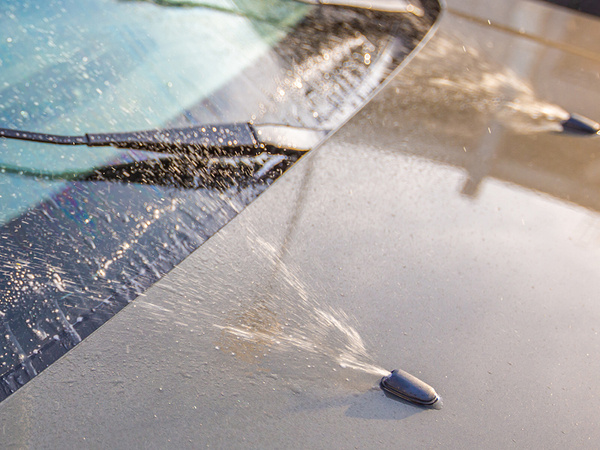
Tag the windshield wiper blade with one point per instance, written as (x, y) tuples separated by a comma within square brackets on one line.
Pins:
[(204, 140)]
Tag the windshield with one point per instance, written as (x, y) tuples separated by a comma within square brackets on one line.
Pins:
[(68, 66), (84, 231)]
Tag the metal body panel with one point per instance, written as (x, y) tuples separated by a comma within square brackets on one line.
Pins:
[(460, 232)]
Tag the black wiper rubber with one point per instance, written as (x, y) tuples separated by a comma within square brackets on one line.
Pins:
[(201, 137), (42, 137), (209, 139)]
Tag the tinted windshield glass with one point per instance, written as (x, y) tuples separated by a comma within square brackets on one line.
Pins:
[(85, 230), (68, 66)]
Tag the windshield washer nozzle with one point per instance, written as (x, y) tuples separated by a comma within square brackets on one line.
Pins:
[(410, 388), (577, 124)]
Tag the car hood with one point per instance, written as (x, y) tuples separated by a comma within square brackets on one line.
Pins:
[(449, 229)]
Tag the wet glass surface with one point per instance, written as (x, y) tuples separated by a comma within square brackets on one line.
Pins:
[(83, 232)]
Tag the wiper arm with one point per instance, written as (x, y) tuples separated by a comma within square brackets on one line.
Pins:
[(203, 140)]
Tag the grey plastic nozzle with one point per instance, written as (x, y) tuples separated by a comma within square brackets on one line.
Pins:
[(409, 388), (577, 124)]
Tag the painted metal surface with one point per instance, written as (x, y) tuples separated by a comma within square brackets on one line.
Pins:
[(448, 224)]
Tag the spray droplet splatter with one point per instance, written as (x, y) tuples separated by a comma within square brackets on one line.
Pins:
[(297, 320)]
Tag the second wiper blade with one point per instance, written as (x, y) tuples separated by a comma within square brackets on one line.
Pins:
[(243, 138)]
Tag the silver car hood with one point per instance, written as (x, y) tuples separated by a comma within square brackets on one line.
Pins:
[(448, 229)]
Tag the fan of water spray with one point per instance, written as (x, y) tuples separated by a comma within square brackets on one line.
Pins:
[(287, 315), (294, 317)]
